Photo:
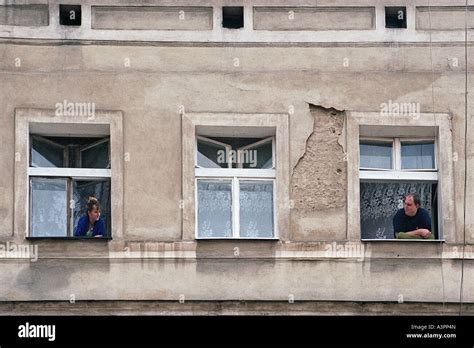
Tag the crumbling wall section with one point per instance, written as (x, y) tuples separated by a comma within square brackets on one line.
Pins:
[(319, 181)]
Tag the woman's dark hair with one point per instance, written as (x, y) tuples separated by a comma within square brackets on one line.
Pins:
[(93, 203)]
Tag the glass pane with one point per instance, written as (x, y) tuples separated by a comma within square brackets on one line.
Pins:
[(418, 156), (49, 207), (82, 190), (46, 154), (257, 157), (256, 209), (214, 208), (379, 203), (96, 156), (376, 155), (211, 155)]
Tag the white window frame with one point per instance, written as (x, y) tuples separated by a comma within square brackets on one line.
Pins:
[(215, 142), (89, 146), (235, 175), (258, 143), (418, 140), (102, 124), (235, 181), (397, 173), (46, 140), (380, 140), (261, 126), (70, 174), (424, 125)]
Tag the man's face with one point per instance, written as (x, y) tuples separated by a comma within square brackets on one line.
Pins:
[(409, 206)]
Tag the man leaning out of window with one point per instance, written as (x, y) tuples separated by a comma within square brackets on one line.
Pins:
[(412, 221)]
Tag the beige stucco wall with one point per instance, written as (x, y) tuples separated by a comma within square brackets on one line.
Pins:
[(313, 83)]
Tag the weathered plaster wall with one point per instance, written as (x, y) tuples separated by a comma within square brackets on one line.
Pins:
[(150, 92), (246, 279)]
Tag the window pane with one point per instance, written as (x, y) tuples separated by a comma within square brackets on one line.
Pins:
[(256, 209), (211, 155), (46, 154), (376, 155), (418, 156), (380, 201), (214, 208), (257, 157), (49, 207), (82, 190), (96, 156)]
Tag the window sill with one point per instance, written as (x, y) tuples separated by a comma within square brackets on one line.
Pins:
[(239, 239), (404, 240), (70, 238)]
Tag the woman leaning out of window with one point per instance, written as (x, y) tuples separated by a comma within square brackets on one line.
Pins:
[(91, 224)]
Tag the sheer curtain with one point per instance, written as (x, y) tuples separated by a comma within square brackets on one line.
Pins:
[(256, 209), (380, 201), (49, 204), (214, 208)]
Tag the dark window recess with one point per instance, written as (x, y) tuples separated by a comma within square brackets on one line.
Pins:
[(395, 17), (51, 212), (70, 15), (70, 152), (232, 17), (379, 202)]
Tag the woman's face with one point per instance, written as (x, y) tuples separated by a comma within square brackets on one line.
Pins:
[(94, 214)]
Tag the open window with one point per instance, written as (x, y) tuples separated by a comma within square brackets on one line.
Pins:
[(61, 160), (63, 172), (391, 168), (390, 157)]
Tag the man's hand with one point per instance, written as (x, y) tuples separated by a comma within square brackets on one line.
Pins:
[(423, 232), (418, 233)]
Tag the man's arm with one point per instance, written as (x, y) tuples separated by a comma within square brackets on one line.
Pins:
[(415, 234), (424, 232)]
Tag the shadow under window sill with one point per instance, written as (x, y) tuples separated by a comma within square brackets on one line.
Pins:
[(70, 238)]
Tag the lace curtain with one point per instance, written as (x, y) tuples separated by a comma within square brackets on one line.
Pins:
[(380, 201), (256, 209), (214, 209), (49, 204)]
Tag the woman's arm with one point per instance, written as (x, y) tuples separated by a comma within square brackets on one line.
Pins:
[(99, 228), (81, 228)]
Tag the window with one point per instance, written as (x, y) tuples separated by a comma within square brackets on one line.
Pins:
[(389, 170), (232, 17), (50, 167), (420, 160), (63, 173), (235, 183), (235, 176), (395, 17)]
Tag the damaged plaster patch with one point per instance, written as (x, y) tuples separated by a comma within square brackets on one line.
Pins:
[(319, 181), (319, 177), (302, 147)]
